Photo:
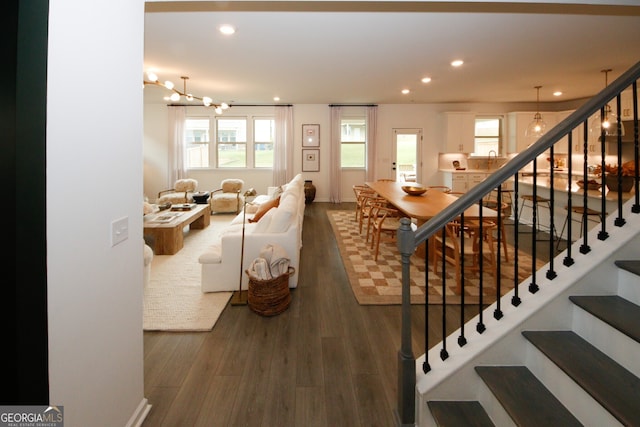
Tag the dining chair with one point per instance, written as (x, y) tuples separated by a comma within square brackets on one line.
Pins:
[(360, 191), (504, 212), (453, 251), (385, 221), (369, 199)]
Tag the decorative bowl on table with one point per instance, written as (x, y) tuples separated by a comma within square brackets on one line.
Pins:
[(414, 190), (592, 184)]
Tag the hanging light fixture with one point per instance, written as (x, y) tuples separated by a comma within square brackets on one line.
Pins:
[(176, 94), (609, 120), (537, 126)]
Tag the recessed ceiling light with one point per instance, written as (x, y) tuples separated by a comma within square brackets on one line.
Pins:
[(457, 63), (426, 79), (227, 29), (276, 98), (405, 91), (557, 93)]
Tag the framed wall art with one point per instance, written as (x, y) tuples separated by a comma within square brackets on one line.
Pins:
[(310, 160), (310, 135)]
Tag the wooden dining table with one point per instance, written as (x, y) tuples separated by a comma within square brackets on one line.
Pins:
[(424, 206)]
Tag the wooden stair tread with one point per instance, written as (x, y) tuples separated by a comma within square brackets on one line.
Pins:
[(613, 386), (527, 401), (459, 413), (614, 310), (632, 266)]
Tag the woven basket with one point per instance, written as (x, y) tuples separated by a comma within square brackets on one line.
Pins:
[(269, 297)]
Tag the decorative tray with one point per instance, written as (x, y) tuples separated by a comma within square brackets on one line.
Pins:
[(183, 207)]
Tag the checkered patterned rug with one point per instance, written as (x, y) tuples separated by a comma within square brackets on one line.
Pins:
[(380, 282)]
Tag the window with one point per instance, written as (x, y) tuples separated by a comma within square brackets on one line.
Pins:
[(231, 141), (353, 135), (263, 136), (488, 135), (239, 142), (197, 142)]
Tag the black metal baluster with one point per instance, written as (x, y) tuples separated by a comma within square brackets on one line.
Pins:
[(551, 274), (533, 286), (516, 232), (500, 237), (636, 206), (567, 259), (619, 221), (584, 247), (425, 365), (461, 339), (443, 352)]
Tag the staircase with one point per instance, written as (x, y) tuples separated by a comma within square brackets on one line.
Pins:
[(573, 360)]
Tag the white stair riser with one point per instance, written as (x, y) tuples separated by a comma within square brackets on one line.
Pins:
[(573, 397), (629, 286), (608, 340)]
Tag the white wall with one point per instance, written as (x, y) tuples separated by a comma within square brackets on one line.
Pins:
[(94, 175), (390, 116)]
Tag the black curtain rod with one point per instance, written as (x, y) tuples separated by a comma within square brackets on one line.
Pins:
[(260, 105), (352, 105), (234, 105)]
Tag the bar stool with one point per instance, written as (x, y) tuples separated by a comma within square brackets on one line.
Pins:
[(529, 201), (592, 215), (507, 197)]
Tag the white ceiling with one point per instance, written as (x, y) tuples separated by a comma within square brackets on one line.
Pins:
[(367, 52)]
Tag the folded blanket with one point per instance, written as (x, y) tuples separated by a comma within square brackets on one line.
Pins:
[(259, 269), (277, 259)]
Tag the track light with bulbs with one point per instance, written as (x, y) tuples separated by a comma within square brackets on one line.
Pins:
[(177, 94)]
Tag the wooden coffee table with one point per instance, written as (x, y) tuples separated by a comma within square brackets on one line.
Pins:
[(168, 236)]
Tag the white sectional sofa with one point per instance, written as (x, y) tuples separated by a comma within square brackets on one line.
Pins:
[(281, 225)]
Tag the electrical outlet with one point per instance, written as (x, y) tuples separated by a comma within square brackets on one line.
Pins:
[(119, 230)]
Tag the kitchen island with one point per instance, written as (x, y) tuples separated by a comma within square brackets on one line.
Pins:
[(564, 187)]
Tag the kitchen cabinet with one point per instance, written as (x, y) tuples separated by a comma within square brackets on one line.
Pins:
[(458, 182), (461, 182), (626, 104), (459, 132), (474, 179)]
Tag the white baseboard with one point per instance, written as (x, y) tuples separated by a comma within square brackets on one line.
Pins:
[(140, 414)]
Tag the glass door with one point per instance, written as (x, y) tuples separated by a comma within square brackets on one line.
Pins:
[(406, 152)]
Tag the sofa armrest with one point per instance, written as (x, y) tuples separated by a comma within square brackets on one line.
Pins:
[(231, 248)]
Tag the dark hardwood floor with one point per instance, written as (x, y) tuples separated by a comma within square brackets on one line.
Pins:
[(326, 361)]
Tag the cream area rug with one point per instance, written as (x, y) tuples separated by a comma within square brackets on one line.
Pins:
[(380, 282), (173, 300)]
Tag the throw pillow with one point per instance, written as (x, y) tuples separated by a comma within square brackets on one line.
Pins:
[(264, 208), (280, 222), (263, 225)]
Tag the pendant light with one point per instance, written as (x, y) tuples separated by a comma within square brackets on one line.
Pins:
[(537, 126), (608, 122), (177, 95)]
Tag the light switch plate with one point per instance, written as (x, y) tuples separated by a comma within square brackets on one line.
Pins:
[(119, 230)]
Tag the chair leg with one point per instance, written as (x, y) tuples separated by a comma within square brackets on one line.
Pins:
[(504, 242), (375, 256), (562, 232)]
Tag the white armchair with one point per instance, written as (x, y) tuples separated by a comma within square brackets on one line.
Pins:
[(182, 192), (228, 198)]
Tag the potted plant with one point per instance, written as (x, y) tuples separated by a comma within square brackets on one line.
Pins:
[(627, 171)]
